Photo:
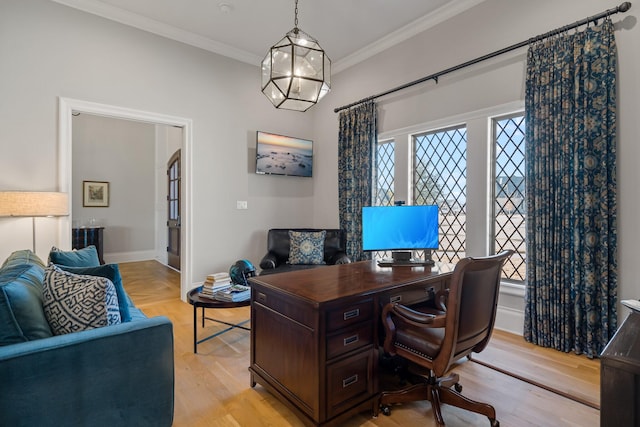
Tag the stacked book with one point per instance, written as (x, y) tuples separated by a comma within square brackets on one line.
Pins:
[(233, 293), (214, 283)]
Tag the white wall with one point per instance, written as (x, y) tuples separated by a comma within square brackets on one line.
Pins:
[(121, 152), (51, 51), (492, 25)]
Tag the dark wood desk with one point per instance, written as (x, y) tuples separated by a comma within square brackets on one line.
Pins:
[(314, 334)]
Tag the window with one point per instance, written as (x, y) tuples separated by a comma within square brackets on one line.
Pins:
[(472, 166), (384, 191), (440, 177), (385, 172), (174, 189), (509, 209)]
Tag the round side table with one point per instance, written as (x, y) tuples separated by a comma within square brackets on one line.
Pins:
[(196, 300)]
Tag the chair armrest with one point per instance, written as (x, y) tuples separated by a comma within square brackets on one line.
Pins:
[(100, 376), (404, 314), (269, 261), (417, 318), (339, 258), (389, 330), (412, 316)]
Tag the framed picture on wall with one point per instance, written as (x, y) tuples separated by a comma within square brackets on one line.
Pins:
[(95, 194)]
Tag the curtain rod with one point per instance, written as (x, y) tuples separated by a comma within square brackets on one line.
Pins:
[(622, 8)]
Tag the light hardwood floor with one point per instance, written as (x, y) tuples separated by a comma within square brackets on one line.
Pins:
[(212, 387)]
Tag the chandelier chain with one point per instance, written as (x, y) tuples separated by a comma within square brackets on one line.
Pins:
[(295, 22)]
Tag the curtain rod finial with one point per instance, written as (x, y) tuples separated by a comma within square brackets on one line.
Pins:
[(624, 6)]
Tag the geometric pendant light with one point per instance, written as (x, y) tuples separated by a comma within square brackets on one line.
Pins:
[(296, 72)]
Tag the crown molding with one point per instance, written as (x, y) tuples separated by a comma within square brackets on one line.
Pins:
[(414, 28), (168, 31), (103, 10)]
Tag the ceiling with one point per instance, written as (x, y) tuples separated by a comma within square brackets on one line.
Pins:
[(348, 30)]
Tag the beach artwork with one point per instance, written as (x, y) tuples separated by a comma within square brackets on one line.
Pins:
[(283, 155)]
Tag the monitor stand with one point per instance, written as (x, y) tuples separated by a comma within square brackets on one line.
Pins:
[(403, 259)]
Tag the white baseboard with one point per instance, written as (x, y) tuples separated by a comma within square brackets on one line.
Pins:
[(510, 320), (118, 257)]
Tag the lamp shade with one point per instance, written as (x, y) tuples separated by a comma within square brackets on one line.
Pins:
[(33, 203)]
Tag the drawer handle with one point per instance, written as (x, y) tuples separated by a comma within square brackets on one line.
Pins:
[(261, 297), (351, 314), (431, 292), (351, 340), (348, 381)]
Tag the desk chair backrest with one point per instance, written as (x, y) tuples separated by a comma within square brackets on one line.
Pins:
[(471, 308)]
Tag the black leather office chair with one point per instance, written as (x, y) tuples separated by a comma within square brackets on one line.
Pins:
[(435, 339)]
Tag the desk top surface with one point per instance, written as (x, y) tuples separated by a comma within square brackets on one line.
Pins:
[(332, 282)]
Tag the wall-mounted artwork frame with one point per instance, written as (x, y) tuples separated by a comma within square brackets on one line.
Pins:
[(95, 194), (283, 155)]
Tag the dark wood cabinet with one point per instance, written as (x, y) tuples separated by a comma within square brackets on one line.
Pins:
[(314, 335), (620, 376), (85, 236)]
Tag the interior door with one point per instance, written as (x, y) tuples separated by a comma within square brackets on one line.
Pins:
[(173, 213)]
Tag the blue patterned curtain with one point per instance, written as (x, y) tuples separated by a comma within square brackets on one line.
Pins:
[(357, 140), (570, 103)]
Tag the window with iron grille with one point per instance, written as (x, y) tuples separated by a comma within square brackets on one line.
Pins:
[(440, 178), (385, 171), (509, 209), (385, 186)]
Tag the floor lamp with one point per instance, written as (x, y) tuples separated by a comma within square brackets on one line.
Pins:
[(33, 204)]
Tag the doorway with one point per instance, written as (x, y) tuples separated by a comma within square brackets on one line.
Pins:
[(67, 107)]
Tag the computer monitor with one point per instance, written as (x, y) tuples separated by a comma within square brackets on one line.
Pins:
[(400, 229)]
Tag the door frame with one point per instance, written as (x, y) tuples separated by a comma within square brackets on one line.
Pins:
[(67, 106)]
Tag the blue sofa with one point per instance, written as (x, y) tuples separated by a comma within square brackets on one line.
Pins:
[(118, 375)]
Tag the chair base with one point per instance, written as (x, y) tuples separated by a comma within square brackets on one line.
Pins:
[(437, 391)]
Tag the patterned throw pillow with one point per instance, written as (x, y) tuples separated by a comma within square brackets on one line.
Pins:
[(111, 272), (74, 302), (306, 247)]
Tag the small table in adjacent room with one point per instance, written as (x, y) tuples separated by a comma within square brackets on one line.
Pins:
[(196, 300), (84, 236)]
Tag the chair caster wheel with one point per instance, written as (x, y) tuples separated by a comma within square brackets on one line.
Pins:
[(494, 423), (458, 387), (386, 410)]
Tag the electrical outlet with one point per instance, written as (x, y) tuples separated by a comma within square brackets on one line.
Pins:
[(241, 204)]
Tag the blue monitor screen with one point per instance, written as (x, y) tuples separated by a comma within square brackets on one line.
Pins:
[(387, 228)]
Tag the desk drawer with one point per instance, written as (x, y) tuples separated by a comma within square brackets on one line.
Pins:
[(349, 339), (285, 305), (349, 380), (349, 315)]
